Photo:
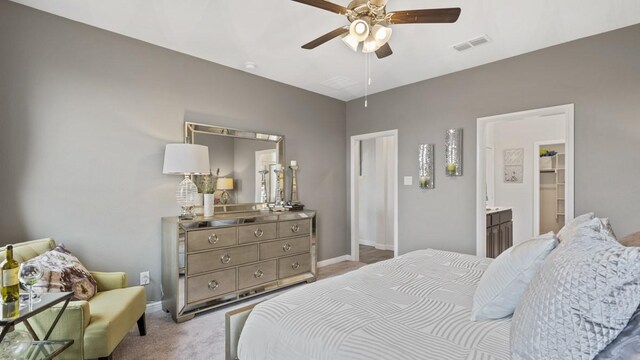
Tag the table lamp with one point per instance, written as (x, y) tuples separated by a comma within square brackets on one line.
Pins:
[(224, 184), (186, 159)]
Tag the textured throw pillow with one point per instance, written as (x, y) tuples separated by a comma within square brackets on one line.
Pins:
[(580, 300), (63, 272), (627, 344), (565, 232), (507, 277)]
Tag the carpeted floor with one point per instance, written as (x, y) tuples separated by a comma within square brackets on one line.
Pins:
[(199, 338)]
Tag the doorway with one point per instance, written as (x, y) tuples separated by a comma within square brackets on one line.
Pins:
[(549, 187), (374, 196), (514, 140)]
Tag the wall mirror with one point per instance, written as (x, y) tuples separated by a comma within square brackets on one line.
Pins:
[(242, 164)]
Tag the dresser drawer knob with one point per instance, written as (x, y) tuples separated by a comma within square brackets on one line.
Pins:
[(295, 266), (225, 259), (213, 285), (213, 239), (286, 247), (258, 274), (258, 233), (295, 228)]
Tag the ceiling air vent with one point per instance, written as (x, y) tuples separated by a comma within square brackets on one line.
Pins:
[(338, 82), (471, 43), (462, 46)]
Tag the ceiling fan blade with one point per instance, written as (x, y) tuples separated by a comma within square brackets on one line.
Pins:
[(325, 5), (326, 37), (447, 15), (384, 51)]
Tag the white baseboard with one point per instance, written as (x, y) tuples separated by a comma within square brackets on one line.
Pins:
[(366, 242), (334, 260), (154, 306), (377, 246)]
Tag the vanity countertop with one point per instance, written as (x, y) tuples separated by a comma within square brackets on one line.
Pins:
[(496, 209)]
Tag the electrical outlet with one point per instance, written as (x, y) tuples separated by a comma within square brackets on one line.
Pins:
[(144, 278)]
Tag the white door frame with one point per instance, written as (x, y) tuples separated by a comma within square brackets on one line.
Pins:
[(568, 111), (355, 200), (536, 183)]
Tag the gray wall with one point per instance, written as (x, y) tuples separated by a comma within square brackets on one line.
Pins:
[(600, 75), (85, 115), (221, 154)]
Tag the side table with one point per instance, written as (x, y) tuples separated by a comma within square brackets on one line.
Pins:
[(44, 349)]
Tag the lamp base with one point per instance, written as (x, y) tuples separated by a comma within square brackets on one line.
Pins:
[(187, 213), (225, 197), (186, 195)]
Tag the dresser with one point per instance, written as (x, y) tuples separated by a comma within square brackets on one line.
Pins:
[(215, 261)]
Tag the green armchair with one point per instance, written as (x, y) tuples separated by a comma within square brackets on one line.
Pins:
[(97, 326)]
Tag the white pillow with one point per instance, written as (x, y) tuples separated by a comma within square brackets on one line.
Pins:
[(580, 300), (507, 277), (566, 232)]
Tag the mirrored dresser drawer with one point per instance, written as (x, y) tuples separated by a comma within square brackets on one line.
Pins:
[(211, 262)]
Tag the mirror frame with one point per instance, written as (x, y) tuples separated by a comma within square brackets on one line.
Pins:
[(192, 128)]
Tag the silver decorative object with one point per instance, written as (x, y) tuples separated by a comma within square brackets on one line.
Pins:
[(425, 166), (453, 152), (294, 184), (279, 200), (263, 186)]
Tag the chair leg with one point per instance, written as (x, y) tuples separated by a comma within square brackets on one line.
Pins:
[(142, 325)]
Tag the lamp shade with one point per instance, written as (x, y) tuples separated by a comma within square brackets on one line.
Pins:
[(224, 184), (359, 29), (351, 42), (186, 159), (370, 45), (381, 33)]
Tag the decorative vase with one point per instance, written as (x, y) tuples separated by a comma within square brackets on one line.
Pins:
[(208, 205), (199, 207)]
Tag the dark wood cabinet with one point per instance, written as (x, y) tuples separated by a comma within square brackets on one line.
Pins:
[(499, 232)]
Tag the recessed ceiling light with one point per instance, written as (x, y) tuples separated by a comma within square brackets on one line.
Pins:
[(250, 65)]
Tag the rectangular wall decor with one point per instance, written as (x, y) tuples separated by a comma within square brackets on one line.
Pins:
[(425, 166), (453, 152)]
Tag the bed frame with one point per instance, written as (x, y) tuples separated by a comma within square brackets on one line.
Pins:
[(233, 323)]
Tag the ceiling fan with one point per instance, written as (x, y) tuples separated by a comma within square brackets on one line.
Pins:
[(370, 23)]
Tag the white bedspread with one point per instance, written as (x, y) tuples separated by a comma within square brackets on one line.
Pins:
[(416, 306)]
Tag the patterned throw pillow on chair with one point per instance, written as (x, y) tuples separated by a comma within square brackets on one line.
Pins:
[(63, 272)]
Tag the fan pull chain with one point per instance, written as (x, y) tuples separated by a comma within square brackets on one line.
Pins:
[(367, 80)]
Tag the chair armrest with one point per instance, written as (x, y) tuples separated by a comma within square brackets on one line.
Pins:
[(110, 280), (72, 325)]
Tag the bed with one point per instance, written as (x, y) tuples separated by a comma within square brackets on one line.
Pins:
[(416, 306)]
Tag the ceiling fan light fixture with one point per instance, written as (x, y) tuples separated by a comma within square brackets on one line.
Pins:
[(359, 29), (378, 2), (381, 33), (351, 42), (370, 45)]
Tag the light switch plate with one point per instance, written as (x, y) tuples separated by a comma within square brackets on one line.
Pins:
[(408, 180)]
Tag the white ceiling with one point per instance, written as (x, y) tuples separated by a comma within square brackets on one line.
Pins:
[(270, 33)]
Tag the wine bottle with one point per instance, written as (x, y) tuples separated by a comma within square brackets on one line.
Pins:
[(10, 287)]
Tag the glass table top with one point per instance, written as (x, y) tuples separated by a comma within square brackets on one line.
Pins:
[(9, 315), (44, 350)]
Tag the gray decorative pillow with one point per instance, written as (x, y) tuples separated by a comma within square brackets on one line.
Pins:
[(627, 344), (581, 299), (63, 272)]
